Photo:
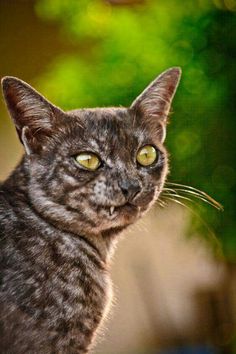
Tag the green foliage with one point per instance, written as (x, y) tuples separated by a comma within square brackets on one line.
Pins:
[(122, 48)]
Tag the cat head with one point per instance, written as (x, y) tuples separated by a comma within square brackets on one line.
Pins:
[(93, 170)]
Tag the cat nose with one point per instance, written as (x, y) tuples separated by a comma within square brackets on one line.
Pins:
[(130, 188)]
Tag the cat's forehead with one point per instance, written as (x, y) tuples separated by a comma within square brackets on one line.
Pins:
[(110, 128), (102, 117), (105, 129), (104, 123)]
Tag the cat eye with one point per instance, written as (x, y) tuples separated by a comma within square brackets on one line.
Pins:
[(147, 155), (88, 160)]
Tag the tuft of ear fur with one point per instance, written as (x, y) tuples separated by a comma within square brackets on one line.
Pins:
[(33, 115), (154, 102)]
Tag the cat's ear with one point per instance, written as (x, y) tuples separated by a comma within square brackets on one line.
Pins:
[(155, 101), (34, 116)]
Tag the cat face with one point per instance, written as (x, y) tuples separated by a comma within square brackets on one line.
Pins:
[(119, 190), (92, 170)]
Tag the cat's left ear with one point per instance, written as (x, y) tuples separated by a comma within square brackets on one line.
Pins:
[(154, 103), (35, 117)]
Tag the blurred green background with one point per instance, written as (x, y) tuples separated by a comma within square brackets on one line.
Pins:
[(104, 53)]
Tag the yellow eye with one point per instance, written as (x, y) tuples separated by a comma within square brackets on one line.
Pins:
[(146, 155), (88, 160)]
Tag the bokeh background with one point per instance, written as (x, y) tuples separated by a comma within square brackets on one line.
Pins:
[(174, 272)]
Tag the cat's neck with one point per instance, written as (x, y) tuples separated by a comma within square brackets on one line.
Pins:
[(17, 183), (16, 191)]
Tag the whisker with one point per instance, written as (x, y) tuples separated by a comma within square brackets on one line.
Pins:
[(212, 237), (176, 201), (188, 199), (169, 190), (196, 192), (180, 196), (177, 195), (201, 196), (177, 185), (161, 203)]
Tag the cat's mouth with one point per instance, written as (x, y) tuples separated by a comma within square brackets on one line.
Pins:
[(126, 208)]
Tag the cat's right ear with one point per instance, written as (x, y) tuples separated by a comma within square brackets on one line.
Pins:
[(34, 117), (154, 103)]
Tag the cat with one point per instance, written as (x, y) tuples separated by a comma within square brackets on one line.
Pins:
[(85, 176)]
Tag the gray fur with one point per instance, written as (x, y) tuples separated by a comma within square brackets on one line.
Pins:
[(59, 222)]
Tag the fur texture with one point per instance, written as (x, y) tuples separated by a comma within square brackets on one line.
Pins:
[(59, 221)]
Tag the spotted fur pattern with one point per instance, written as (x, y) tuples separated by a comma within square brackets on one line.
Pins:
[(57, 231)]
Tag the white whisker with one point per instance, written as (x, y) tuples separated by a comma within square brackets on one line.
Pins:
[(194, 192), (212, 237)]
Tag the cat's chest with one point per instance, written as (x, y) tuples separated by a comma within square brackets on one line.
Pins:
[(76, 277), (63, 277), (55, 288)]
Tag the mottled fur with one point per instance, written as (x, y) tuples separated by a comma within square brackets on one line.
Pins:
[(56, 229)]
